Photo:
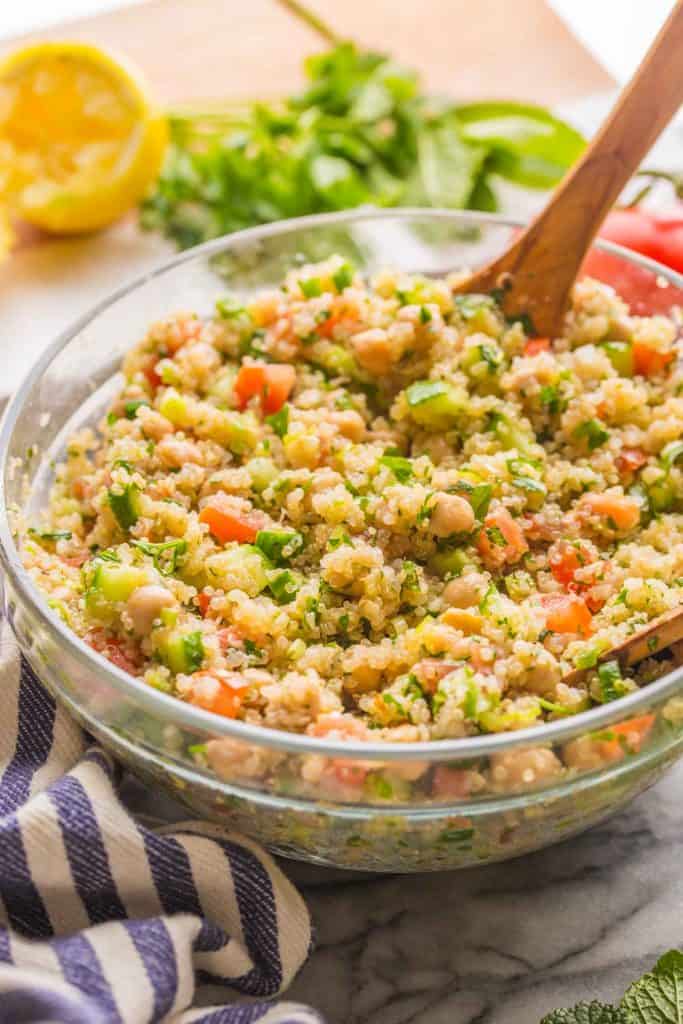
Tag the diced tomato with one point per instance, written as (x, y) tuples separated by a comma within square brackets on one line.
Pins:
[(451, 782), (629, 737), (536, 345), (229, 638), (221, 694), (648, 362), (272, 383), (567, 613), (430, 671), (111, 649), (565, 557), (150, 374), (77, 560), (226, 525), (203, 601), (350, 773), (338, 726), (501, 539), (622, 510), (630, 460)]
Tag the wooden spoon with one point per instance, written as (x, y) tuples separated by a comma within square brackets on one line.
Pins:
[(662, 632), (537, 272)]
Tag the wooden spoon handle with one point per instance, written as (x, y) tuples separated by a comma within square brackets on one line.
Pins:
[(659, 634), (545, 260)]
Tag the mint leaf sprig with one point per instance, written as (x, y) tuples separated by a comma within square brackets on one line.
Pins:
[(656, 998)]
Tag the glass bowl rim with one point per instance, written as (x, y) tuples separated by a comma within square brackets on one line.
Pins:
[(173, 711)]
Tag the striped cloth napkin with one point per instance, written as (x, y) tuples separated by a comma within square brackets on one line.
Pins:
[(108, 922)]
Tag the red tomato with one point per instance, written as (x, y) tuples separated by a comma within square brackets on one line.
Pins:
[(226, 525), (536, 345), (451, 782), (221, 694), (565, 557), (501, 539), (654, 235), (648, 362), (567, 613), (630, 460), (271, 382)]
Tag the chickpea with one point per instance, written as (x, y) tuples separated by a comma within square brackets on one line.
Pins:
[(373, 350), (583, 753), (175, 452), (154, 425), (519, 769), (144, 606), (350, 424), (465, 591), (451, 514)]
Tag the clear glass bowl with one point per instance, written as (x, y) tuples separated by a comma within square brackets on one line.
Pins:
[(295, 793)]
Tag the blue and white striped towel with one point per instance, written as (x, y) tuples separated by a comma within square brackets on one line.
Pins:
[(108, 922)]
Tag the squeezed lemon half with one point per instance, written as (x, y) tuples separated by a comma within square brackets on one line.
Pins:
[(80, 142)]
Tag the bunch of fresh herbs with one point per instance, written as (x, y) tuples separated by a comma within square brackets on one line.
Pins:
[(361, 133), (656, 998)]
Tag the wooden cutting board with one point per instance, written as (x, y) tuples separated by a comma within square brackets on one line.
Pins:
[(195, 49)]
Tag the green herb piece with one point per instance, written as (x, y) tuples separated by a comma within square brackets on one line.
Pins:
[(125, 505), (469, 706), (425, 315), (557, 709), (279, 421), (457, 836), (671, 453), (112, 418), (50, 535), (620, 354), (535, 491), (193, 649), (343, 277), (593, 432), (280, 546), (401, 467), (492, 356), (131, 408), (229, 308), (610, 681), (495, 536), (587, 658), (284, 587), (425, 391), (551, 399), (312, 287), (480, 499), (165, 554), (197, 749)]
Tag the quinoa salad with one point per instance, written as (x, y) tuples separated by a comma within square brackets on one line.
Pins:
[(375, 510)]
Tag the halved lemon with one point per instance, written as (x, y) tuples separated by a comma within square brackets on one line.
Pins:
[(80, 142)]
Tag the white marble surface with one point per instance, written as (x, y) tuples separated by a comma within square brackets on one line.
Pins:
[(502, 944)]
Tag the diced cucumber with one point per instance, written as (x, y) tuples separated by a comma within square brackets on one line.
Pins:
[(535, 491), (222, 387), (380, 785), (336, 361), (620, 355), (435, 404), (175, 408), (449, 562), (125, 505), (242, 567), (284, 586), (280, 546), (117, 582), (661, 494), (501, 720), (182, 652), (510, 434), (243, 433), (262, 471)]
